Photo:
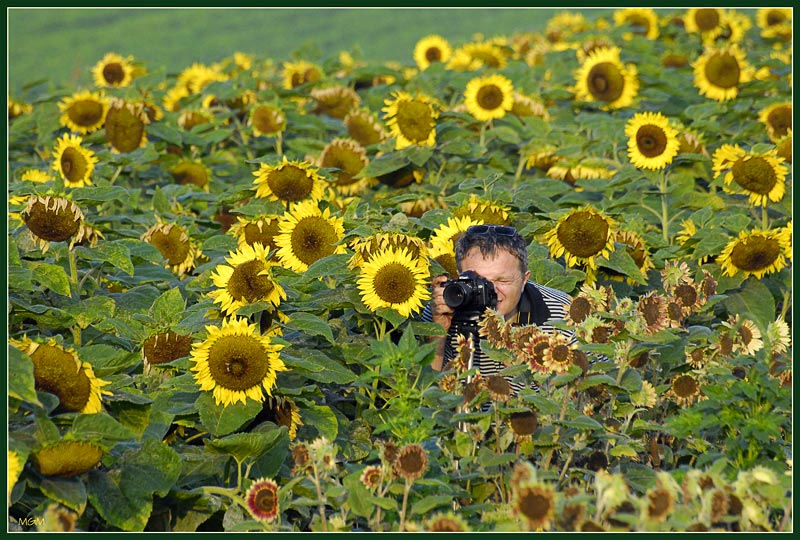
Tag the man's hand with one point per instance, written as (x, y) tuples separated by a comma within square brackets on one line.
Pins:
[(442, 313)]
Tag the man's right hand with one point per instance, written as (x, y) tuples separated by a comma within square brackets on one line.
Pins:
[(442, 313)]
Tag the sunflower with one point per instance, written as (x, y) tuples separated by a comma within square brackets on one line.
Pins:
[(443, 241), (165, 347), (704, 21), (637, 248), (778, 336), (58, 370), (745, 335), (646, 397), (783, 147), (262, 229), (113, 70), (572, 170), (67, 458), (83, 112), (308, 234), (720, 71), (461, 60), (526, 106), (602, 77), (660, 503), (777, 118), (582, 236), (411, 462), (431, 49), (17, 108), (395, 279), (412, 119), (523, 424), (350, 158), (362, 126), (247, 278), (365, 248), (262, 500), (267, 120), (492, 53), (174, 245), (15, 466), (685, 389), (191, 172), (483, 210), (126, 125), (35, 175), (761, 176), (236, 362), (775, 23), (652, 308), (52, 219), (286, 413), (73, 163), (652, 143), (420, 205), (336, 101), (558, 356), (288, 182), (371, 477), (299, 73), (643, 21), (191, 118), (489, 97), (535, 502)]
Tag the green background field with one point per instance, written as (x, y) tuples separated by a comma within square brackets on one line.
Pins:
[(61, 45)]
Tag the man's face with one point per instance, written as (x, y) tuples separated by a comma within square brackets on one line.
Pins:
[(503, 270)]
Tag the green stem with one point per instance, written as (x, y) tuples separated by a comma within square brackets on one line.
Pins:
[(279, 144), (406, 491), (520, 166), (226, 492), (664, 207), (561, 416), (764, 219), (116, 175), (73, 275), (321, 506), (482, 137)]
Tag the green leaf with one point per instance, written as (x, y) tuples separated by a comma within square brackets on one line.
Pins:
[(151, 469), (68, 491), (95, 194), (91, 310), (488, 458), (323, 419), (220, 242), (168, 308), (358, 495), (332, 265), (754, 301), (315, 365), (594, 380), (623, 450), (310, 324), (52, 277), (113, 505), (114, 253), (107, 360), (620, 261), (419, 155), (220, 420), (247, 445), (584, 423), (21, 383), (426, 504), (384, 164), (100, 426), (165, 132)]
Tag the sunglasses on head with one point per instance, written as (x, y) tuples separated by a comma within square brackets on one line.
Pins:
[(486, 230)]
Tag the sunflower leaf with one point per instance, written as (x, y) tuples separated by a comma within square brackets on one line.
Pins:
[(106, 495), (220, 420), (247, 445), (51, 276), (323, 419), (753, 300), (115, 253), (21, 383), (310, 324), (71, 492)]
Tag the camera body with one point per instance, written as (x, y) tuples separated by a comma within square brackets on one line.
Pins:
[(469, 296)]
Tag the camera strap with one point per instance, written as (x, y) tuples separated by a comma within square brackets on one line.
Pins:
[(532, 307)]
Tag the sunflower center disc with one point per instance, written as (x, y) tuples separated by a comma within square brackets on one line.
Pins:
[(171, 246), (579, 309), (52, 225), (312, 239), (489, 97), (606, 82), (685, 386), (755, 175), (706, 19), (583, 234), (55, 371), (394, 283), (723, 71), (125, 130), (86, 112), (73, 164), (651, 141), (113, 73), (560, 353), (290, 183), (414, 120), (265, 501), (686, 294), (755, 254), (433, 54), (237, 362), (246, 284)]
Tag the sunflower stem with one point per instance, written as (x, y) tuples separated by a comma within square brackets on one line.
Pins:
[(115, 176), (279, 144), (520, 168), (764, 218), (321, 506), (73, 275), (664, 206), (482, 136), (561, 416), (406, 491), (225, 492)]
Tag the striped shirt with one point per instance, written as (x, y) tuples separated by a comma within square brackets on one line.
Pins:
[(537, 305)]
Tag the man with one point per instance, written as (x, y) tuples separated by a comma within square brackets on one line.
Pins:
[(498, 254)]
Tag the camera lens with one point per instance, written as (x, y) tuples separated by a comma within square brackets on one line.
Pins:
[(456, 294)]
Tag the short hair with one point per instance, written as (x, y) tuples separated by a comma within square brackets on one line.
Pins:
[(488, 241)]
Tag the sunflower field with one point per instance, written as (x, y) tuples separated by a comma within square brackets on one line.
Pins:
[(216, 278)]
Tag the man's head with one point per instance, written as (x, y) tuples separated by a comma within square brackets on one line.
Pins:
[(499, 254)]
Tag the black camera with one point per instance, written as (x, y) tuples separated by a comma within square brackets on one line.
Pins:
[(469, 296)]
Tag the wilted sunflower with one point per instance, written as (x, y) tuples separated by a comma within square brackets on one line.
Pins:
[(365, 248), (660, 503), (308, 234), (52, 219), (535, 502), (56, 518), (411, 462), (489, 97), (263, 230), (746, 335), (113, 70), (336, 101), (637, 248), (299, 73), (652, 143), (704, 21), (720, 71), (174, 245), (523, 424), (431, 49), (165, 347), (411, 119), (246, 279), (652, 307), (778, 336), (284, 412), (685, 389), (73, 163), (58, 370), (67, 458), (642, 21), (289, 182), (446, 522), (393, 278), (83, 112), (362, 126), (483, 210), (443, 240), (646, 397), (526, 106), (602, 77), (126, 125), (777, 118), (371, 477), (558, 356), (775, 23), (582, 236), (755, 253), (236, 362), (191, 118), (349, 157), (262, 500), (267, 120), (191, 172), (761, 176)]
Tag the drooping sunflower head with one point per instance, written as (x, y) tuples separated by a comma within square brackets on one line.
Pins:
[(489, 97), (236, 362), (411, 119), (777, 118), (299, 73), (289, 182), (526, 106), (582, 236), (349, 157), (492, 53), (335, 101), (393, 278), (637, 248), (284, 412), (362, 126), (443, 242), (365, 248), (775, 23), (720, 71), (482, 210), (262, 229), (36, 175), (191, 172), (308, 234), (411, 462), (685, 389), (126, 125), (73, 163), (165, 347), (641, 21), (197, 76), (783, 147), (113, 70), (83, 112), (175, 245), (756, 253), (535, 502), (418, 207), (602, 77), (446, 522), (652, 143), (52, 219), (67, 458), (267, 120), (247, 278), (563, 25), (191, 118), (262, 500), (760, 176), (431, 49)]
